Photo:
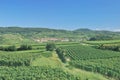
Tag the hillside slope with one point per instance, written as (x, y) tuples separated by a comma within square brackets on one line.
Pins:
[(19, 35)]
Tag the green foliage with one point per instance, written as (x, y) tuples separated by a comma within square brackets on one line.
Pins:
[(80, 52), (9, 48), (47, 54), (17, 58), (25, 47), (35, 73), (95, 60), (108, 67), (101, 37), (13, 48), (11, 38), (17, 35), (109, 47), (103, 42), (60, 53), (84, 57), (50, 46)]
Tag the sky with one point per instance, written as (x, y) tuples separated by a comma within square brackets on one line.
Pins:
[(61, 14)]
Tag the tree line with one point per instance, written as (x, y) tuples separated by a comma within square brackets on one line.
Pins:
[(108, 47), (14, 48), (59, 51)]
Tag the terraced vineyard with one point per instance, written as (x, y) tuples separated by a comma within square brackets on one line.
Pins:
[(19, 58), (90, 59), (35, 73), (17, 66), (80, 52), (39, 64), (103, 42)]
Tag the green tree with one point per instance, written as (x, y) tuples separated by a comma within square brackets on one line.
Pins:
[(50, 46), (10, 48), (60, 53), (25, 47)]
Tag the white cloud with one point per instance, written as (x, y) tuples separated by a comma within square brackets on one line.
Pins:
[(116, 30)]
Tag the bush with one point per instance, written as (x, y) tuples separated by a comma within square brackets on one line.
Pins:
[(109, 47), (9, 48), (60, 53), (25, 47), (13, 48), (50, 47)]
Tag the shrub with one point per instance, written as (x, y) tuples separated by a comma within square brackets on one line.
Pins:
[(9, 48), (25, 47), (50, 47)]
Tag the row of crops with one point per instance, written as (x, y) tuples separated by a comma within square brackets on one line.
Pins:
[(80, 52), (35, 73), (18, 58), (103, 42), (95, 60)]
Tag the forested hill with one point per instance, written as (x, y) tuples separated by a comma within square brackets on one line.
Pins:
[(26, 30), (36, 33)]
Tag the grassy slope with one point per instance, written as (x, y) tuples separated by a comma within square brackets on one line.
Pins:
[(86, 75), (50, 61), (55, 62)]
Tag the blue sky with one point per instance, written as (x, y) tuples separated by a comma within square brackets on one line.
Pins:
[(61, 14)]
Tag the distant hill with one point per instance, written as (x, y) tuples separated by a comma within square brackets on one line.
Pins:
[(29, 34), (83, 29)]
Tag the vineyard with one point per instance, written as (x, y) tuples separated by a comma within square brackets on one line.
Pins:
[(17, 65), (39, 64), (34, 73), (103, 42), (17, 58), (95, 60), (85, 52)]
